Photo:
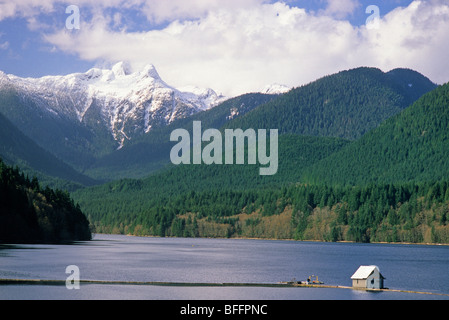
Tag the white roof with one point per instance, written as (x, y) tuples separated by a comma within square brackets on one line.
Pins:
[(364, 272)]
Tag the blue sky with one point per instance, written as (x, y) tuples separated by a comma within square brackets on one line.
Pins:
[(232, 46)]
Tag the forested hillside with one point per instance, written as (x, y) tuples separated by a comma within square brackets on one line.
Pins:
[(20, 150), (345, 105), (134, 196), (415, 213), (32, 214), (65, 138), (412, 146), (151, 152)]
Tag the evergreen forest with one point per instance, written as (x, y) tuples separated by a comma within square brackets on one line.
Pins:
[(30, 213)]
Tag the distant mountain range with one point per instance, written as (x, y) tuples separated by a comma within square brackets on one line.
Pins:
[(326, 159), (363, 154), (113, 124)]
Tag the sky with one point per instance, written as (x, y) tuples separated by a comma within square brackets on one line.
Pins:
[(231, 46)]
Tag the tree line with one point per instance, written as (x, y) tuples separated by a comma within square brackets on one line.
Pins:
[(415, 213)]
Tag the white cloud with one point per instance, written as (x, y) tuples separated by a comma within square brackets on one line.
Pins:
[(161, 11), (157, 11), (233, 51), (341, 8), (414, 37), (4, 45), (24, 8), (241, 46)]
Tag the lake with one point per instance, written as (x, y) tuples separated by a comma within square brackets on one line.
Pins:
[(186, 260)]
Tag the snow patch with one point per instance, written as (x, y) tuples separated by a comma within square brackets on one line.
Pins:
[(276, 89)]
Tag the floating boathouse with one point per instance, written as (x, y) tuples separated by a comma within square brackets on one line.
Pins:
[(368, 277)]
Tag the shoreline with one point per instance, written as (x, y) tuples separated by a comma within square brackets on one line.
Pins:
[(234, 238), (275, 239)]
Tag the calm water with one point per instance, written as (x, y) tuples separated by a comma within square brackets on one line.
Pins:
[(121, 258)]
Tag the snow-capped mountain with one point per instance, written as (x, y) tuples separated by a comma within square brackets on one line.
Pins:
[(127, 103), (276, 88)]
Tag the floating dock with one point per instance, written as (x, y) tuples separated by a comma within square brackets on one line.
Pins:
[(289, 284)]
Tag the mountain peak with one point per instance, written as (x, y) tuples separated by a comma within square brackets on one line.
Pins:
[(3, 76), (125, 103), (276, 88), (150, 70), (121, 68)]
